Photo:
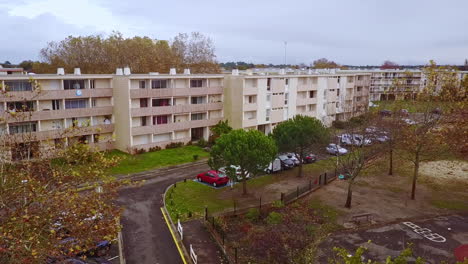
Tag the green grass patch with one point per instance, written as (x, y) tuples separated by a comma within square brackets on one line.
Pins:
[(152, 160), (260, 181), (451, 205), (192, 197), (320, 166)]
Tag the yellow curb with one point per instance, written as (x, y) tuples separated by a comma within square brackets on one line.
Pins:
[(174, 237)]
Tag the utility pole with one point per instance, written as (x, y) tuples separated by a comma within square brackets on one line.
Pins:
[(285, 46)]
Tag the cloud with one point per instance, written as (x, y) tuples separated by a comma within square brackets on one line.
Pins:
[(350, 32)]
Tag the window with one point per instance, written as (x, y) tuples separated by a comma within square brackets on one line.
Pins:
[(338, 79), (93, 102), (311, 94), (359, 88), (336, 105), (359, 78), (16, 86), (143, 121), (92, 84), (158, 84), (251, 99), (75, 103), (196, 83), (162, 119), (286, 81), (268, 84), (337, 92), (358, 99), (74, 121), (96, 138), (350, 79), (268, 112), (73, 84), (142, 84), (23, 127), (286, 98), (268, 97), (143, 102), (198, 116), (198, 100), (55, 104), (21, 106), (161, 102)]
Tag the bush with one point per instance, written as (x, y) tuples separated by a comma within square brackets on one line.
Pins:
[(139, 151), (195, 157), (202, 143), (274, 218), (339, 124), (174, 145), (253, 214), (277, 204), (155, 148)]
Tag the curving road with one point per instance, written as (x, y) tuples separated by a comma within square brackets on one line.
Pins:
[(145, 233)]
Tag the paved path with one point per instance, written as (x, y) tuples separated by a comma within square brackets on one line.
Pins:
[(145, 233), (205, 247), (434, 239)]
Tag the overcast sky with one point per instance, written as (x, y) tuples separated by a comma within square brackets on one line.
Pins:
[(358, 32)]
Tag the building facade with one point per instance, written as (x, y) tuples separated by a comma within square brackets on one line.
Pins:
[(130, 112), (260, 101)]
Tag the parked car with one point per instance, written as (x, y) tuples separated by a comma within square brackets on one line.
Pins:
[(274, 166), (294, 158), (213, 177), (335, 149), (409, 121), (286, 163), (346, 139), (359, 140), (404, 112), (382, 138), (385, 112), (237, 171), (309, 158)]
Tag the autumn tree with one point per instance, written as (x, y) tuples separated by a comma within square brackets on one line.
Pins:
[(194, 51), (324, 63), (300, 135), (389, 65), (343, 256), (251, 151)]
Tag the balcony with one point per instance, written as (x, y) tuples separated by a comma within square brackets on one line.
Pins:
[(165, 128), (174, 109), (250, 90), (168, 92), (58, 114), (55, 94), (161, 144), (62, 133), (306, 101), (250, 107), (249, 122)]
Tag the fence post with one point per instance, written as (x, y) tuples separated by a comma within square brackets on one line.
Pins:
[(235, 207), (212, 219), (222, 235), (282, 198), (310, 185), (325, 178), (185, 180), (175, 184), (260, 203), (206, 213), (320, 179), (235, 254), (297, 192)]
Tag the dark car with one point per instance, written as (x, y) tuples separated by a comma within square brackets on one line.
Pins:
[(310, 158), (213, 177), (385, 112), (286, 163)]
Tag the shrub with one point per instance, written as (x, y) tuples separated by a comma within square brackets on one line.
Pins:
[(277, 204), (274, 218), (202, 143), (155, 148), (339, 124), (174, 145), (195, 157), (253, 214), (139, 151)]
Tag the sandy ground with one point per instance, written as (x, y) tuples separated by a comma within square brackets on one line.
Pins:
[(445, 169)]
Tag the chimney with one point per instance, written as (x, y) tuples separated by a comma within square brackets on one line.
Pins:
[(172, 71), (282, 72), (235, 72), (119, 71), (126, 71), (60, 71), (77, 71), (186, 71)]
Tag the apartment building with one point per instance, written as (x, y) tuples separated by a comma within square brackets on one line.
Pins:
[(48, 107), (261, 101), (155, 109)]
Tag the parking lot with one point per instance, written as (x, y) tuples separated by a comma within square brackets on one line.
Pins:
[(433, 239)]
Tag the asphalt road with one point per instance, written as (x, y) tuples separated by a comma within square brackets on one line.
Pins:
[(145, 234)]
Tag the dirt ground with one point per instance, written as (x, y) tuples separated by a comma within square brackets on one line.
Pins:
[(446, 169)]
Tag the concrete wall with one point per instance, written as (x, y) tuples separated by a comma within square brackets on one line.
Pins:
[(122, 126)]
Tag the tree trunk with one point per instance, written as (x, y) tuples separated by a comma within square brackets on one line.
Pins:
[(415, 176), (244, 186), (299, 171), (390, 169), (350, 195)]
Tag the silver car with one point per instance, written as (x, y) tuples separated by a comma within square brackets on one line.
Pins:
[(335, 149)]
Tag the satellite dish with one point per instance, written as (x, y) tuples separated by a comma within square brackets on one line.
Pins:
[(78, 93)]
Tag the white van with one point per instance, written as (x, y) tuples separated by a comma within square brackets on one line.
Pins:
[(274, 166)]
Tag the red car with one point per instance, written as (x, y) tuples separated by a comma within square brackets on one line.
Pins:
[(213, 177)]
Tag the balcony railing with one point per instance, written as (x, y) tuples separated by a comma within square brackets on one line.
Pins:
[(58, 114), (165, 128), (55, 94), (174, 109)]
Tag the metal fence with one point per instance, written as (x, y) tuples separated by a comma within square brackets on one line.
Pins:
[(219, 235)]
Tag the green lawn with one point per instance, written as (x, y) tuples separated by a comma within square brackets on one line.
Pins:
[(157, 159), (192, 197)]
